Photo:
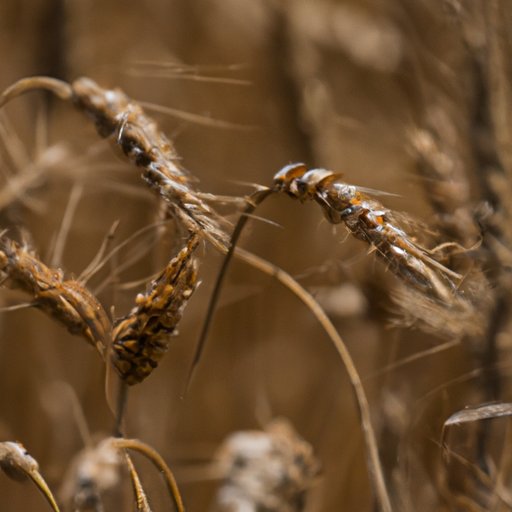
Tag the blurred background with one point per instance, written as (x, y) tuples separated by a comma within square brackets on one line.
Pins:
[(340, 84)]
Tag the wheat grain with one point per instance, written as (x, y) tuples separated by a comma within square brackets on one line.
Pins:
[(124, 121), (141, 338), (68, 301)]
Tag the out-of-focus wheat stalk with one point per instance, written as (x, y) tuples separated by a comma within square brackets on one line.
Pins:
[(436, 76), (468, 183), (374, 466), (271, 469)]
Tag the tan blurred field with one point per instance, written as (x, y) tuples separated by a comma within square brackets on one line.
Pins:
[(340, 84)]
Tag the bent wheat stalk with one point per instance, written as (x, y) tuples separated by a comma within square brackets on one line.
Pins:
[(374, 465), (428, 293), (367, 220), (123, 121), (97, 469), (370, 221), (158, 462)]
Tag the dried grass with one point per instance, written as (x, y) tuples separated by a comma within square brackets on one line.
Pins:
[(410, 98)]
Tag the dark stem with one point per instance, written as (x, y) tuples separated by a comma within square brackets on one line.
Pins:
[(122, 399), (253, 201)]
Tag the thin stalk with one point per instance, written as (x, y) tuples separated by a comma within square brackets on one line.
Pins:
[(160, 464), (138, 490), (375, 470), (41, 484), (376, 473), (252, 202)]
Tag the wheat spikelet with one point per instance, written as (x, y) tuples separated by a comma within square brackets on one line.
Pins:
[(68, 301), (430, 290), (121, 119), (141, 338), (266, 470)]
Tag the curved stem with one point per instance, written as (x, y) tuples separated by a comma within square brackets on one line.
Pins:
[(253, 201), (140, 496), (376, 473), (375, 470), (160, 464), (61, 89), (41, 484)]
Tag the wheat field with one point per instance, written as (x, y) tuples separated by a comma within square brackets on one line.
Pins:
[(115, 225)]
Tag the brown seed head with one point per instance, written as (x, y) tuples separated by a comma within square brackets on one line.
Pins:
[(141, 338)]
